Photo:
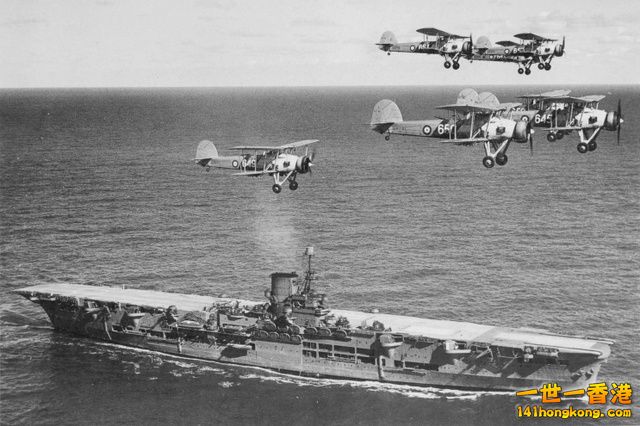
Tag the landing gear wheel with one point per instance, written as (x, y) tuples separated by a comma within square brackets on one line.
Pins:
[(447, 65), (276, 188), (551, 137), (501, 160), (293, 185), (592, 146), (540, 66), (560, 135), (456, 65), (527, 71), (386, 138), (388, 53), (520, 70), (582, 148), (488, 162), (547, 67)]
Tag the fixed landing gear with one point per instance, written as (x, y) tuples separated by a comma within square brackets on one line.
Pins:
[(592, 146), (559, 135), (386, 138), (276, 188), (488, 162), (520, 70), (540, 66), (456, 65), (293, 185), (501, 160), (447, 64), (388, 53), (551, 137), (582, 148), (527, 71), (547, 66)]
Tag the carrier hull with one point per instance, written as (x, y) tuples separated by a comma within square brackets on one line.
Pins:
[(319, 342)]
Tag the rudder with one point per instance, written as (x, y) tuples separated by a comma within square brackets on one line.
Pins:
[(205, 152), (385, 114)]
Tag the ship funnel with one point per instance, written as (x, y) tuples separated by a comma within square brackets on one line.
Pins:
[(282, 285)]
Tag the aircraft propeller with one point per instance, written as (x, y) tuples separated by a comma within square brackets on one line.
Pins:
[(620, 121)]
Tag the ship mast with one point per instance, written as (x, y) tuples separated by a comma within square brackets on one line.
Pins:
[(309, 275)]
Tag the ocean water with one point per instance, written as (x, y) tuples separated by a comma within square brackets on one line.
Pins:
[(99, 187)]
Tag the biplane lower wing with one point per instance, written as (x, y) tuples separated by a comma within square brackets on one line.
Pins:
[(254, 173)]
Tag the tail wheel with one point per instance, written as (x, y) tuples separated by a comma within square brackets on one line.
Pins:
[(551, 137), (456, 65), (293, 185), (501, 160), (592, 146), (447, 64), (488, 162), (520, 70), (276, 188), (547, 67), (582, 148), (540, 66)]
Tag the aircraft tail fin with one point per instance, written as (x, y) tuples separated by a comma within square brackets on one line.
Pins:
[(387, 40), (205, 152), (482, 43), (385, 114)]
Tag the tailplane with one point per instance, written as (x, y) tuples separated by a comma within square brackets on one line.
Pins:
[(385, 114), (205, 152), (387, 40)]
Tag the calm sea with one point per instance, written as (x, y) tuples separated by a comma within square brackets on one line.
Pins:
[(98, 187)]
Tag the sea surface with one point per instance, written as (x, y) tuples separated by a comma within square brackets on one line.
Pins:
[(98, 187)]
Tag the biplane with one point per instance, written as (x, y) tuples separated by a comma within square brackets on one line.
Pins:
[(549, 108), (436, 42), (583, 115), (532, 49), (279, 162), (540, 50), (473, 119)]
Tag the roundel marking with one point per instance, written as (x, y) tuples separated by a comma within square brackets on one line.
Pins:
[(235, 164), (506, 51), (426, 130), (412, 48), (524, 118)]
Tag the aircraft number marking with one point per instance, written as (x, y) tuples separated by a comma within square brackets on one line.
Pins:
[(444, 128), (544, 118), (427, 130)]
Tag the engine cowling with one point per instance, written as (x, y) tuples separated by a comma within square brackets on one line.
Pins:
[(467, 47), (303, 165), (521, 131), (559, 50), (611, 121)]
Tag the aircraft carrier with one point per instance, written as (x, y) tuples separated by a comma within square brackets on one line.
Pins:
[(294, 331)]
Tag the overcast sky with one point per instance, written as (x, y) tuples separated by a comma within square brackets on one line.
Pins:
[(106, 43)]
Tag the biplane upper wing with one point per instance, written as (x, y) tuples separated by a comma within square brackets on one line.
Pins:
[(438, 33), (298, 144), (469, 108), (532, 37), (507, 43), (256, 147), (291, 145), (550, 94), (592, 98)]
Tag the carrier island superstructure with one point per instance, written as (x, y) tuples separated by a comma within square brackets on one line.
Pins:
[(296, 332)]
